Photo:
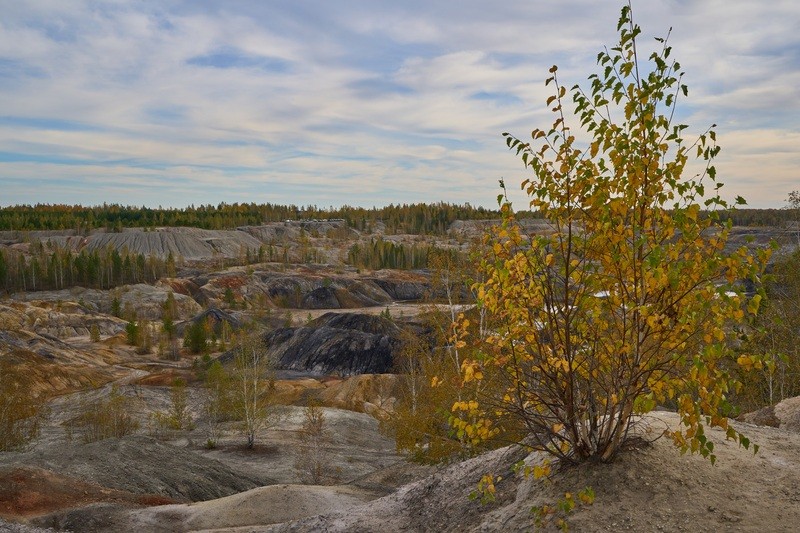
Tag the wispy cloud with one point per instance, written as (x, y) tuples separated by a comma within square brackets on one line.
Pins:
[(360, 103)]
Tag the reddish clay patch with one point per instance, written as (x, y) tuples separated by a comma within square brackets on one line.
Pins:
[(181, 286), (231, 282), (27, 492)]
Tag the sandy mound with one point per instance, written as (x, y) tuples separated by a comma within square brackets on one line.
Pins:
[(651, 488), (102, 486), (74, 319), (265, 505), (785, 414), (355, 448), (788, 412), (54, 366), (373, 394)]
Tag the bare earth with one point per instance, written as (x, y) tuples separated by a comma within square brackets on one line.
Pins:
[(652, 488), (156, 483), (649, 488)]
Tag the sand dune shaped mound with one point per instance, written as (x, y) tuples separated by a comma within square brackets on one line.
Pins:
[(785, 414), (650, 488), (265, 505)]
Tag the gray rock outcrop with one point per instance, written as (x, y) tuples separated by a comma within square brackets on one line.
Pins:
[(313, 290), (189, 243), (337, 343), (146, 300)]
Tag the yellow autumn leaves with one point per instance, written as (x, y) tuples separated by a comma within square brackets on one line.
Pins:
[(630, 298)]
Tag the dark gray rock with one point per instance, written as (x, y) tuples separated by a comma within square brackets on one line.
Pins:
[(217, 317), (343, 344), (11, 527), (402, 290), (361, 293), (317, 292), (321, 298)]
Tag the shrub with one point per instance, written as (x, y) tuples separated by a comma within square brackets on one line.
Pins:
[(629, 302), (103, 418), (178, 417), (775, 339), (196, 338), (314, 460), (94, 333), (10, 321), (132, 332), (21, 411), (218, 401)]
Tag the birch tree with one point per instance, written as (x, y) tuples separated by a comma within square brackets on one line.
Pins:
[(628, 301), (253, 387)]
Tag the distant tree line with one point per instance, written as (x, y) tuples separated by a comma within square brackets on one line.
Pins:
[(405, 218), (759, 217), (54, 268), (431, 219), (379, 253)]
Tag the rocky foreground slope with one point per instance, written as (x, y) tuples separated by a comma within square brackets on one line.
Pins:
[(174, 483), (108, 485), (650, 487)]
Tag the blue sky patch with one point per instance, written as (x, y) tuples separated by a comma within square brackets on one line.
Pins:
[(229, 58), (45, 124)]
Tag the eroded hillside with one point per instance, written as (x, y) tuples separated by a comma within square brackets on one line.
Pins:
[(334, 330)]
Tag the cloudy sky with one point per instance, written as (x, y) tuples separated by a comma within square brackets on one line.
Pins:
[(366, 103)]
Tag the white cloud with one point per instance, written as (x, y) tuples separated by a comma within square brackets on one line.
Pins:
[(370, 102)]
